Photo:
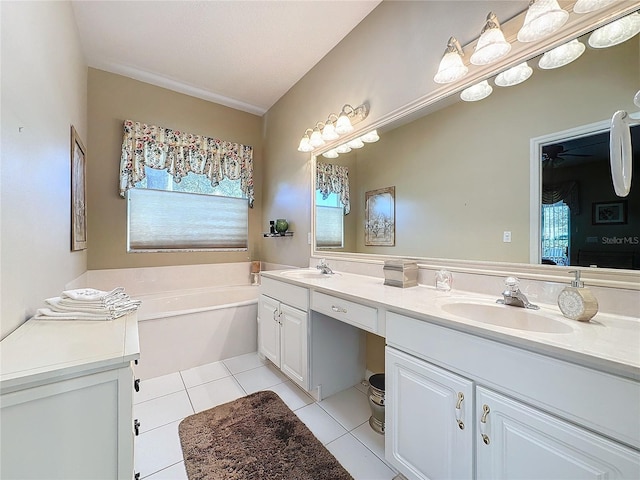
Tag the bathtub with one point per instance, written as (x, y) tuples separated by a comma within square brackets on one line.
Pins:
[(185, 329)]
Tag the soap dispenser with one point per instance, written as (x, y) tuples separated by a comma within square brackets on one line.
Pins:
[(577, 302)]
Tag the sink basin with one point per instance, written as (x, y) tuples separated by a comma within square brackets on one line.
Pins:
[(507, 316), (305, 273)]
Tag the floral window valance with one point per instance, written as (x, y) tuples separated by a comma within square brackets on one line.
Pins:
[(180, 153), (334, 179)]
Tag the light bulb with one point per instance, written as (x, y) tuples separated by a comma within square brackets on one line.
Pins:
[(562, 55), (616, 32), (316, 138), (330, 153), (329, 132), (514, 75), (476, 92), (304, 145), (543, 18), (355, 143), (451, 67), (491, 45), (343, 125), (343, 148), (370, 137)]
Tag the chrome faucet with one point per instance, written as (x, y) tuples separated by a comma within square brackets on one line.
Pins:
[(324, 268), (513, 296)]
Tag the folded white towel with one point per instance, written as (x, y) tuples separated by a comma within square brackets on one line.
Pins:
[(91, 294), (48, 314)]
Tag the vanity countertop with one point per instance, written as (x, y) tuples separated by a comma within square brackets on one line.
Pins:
[(40, 351), (609, 343)]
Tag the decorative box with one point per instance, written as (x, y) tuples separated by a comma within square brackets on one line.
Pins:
[(400, 273)]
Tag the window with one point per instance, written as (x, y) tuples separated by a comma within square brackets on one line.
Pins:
[(555, 233), (191, 215), (329, 221)]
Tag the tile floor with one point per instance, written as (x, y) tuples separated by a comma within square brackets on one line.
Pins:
[(340, 422)]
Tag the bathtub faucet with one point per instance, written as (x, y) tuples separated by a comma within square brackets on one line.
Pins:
[(324, 268)]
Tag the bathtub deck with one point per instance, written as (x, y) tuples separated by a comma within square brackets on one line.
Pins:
[(340, 422)]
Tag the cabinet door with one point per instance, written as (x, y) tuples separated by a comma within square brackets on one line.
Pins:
[(293, 342), (269, 328), (522, 442), (428, 416)]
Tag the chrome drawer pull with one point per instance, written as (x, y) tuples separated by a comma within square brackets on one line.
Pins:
[(338, 309), (459, 410), (483, 422)]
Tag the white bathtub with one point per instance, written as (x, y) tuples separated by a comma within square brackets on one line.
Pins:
[(185, 329)]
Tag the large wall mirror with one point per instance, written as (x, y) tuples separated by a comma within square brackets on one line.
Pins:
[(468, 184)]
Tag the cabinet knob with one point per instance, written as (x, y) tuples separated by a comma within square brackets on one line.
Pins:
[(136, 384), (136, 427), (338, 309)]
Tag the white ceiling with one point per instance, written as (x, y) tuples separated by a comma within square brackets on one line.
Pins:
[(243, 54)]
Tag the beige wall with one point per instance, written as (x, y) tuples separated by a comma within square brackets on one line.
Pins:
[(44, 87), (113, 99)]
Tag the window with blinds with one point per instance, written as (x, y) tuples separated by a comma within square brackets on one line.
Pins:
[(169, 220), (329, 222)]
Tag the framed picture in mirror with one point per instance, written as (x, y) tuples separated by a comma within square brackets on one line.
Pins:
[(609, 213), (380, 217), (78, 193)]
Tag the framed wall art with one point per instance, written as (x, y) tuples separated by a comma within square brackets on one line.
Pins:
[(380, 217), (78, 193), (609, 213)]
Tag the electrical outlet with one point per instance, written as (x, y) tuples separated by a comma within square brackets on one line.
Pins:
[(506, 237)]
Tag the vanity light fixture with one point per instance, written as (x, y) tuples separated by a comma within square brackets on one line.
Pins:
[(370, 137), (355, 143), (305, 146), (451, 66), (491, 45), (476, 92), (315, 140), (616, 32), (329, 131), (543, 18), (514, 75), (330, 153), (343, 148), (562, 55), (335, 126), (587, 6)]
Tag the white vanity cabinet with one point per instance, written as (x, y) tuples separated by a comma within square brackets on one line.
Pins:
[(67, 400), (429, 419), (525, 415), (283, 323)]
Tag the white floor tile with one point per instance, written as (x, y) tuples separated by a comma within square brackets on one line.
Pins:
[(175, 472), (358, 460), (260, 378), (214, 393), (292, 395), (204, 373), (162, 410), (157, 449), (349, 407), (243, 363), (158, 386), (370, 438), (321, 424)]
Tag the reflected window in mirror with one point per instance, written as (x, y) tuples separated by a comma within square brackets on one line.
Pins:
[(583, 222), (329, 221)]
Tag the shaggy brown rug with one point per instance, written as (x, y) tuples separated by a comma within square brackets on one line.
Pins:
[(254, 437)]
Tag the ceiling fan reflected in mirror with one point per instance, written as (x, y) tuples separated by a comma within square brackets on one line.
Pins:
[(557, 154)]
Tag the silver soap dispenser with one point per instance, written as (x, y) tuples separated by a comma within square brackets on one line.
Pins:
[(577, 302)]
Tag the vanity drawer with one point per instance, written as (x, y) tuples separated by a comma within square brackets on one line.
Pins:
[(346, 311), (286, 293)]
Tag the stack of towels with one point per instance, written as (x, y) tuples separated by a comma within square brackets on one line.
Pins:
[(88, 304)]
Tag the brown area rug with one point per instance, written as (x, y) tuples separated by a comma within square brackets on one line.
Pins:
[(254, 437)]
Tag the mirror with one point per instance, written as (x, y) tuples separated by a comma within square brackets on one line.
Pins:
[(462, 173)]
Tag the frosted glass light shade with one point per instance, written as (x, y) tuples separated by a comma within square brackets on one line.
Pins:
[(304, 145), (355, 143), (451, 68), (543, 18), (491, 47), (330, 153), (476, 92), (616, 32), (329, 132), (514, 75), (316, 139), (586, 6), (343, 148), (370, 137), (343, 125), (562, 55), (636, 99)]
